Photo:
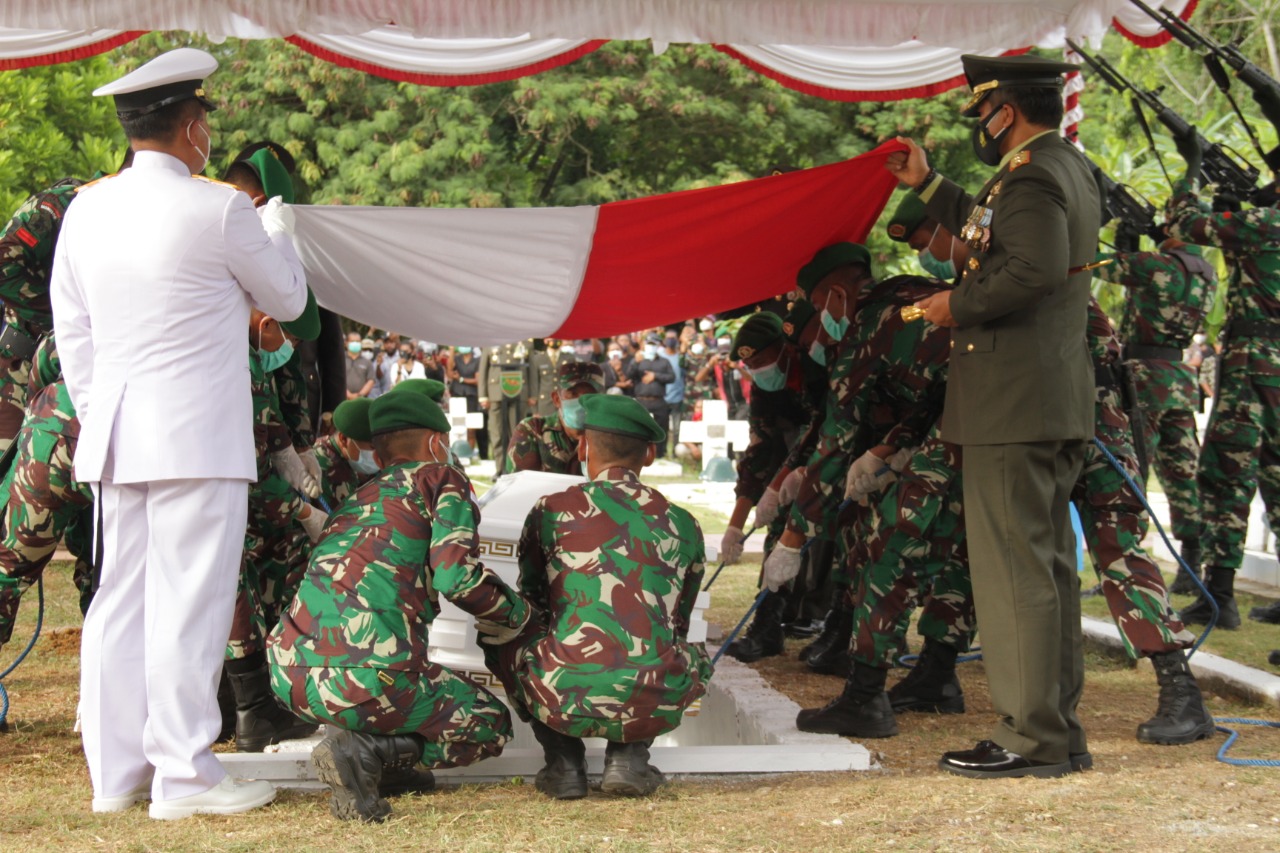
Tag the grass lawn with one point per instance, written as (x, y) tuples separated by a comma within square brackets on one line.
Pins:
[(1139, 798)]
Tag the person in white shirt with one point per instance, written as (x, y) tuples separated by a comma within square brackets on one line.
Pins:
[(406, 366), (154, 276)]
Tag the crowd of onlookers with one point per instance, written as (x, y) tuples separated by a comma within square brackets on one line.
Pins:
[(670, 370)]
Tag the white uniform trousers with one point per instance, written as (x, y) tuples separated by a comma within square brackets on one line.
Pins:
[(155, 635)]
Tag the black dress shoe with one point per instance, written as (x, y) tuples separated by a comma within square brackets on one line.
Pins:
[(989, 760)]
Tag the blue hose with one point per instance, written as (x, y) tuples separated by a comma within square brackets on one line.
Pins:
[(35, 635), (1233, 736)]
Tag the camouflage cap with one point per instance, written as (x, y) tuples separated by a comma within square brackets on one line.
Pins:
[(908, 216), (393, 412), (307, 326), (351, 418), (432, 389), (799, 317), (831, 258), (574, 373), (621, 415), (761, 330)]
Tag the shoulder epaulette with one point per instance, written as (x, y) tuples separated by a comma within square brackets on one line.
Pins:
[(1022, 158), (215, 181), (84, 187)]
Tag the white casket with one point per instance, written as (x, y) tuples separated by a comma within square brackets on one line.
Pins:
[(503, 509)]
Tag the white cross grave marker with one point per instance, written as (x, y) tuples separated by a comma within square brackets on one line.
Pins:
[(460, 420), (715, 432)]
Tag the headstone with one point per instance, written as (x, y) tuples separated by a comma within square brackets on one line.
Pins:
[(715, 432), (460, 420)]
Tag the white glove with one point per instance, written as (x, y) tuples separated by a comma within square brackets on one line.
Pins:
[(870, 474), (289, 465), (782, 564), (277, 217), (731, 546), (767, 508), (791, 486), (899, 460), (312, 522), (311, 464)]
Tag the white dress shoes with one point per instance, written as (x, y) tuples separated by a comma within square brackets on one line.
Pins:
[(230, 796), (124, 801)]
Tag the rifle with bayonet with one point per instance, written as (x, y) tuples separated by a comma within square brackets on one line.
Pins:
[(1266, 89), (1234, 177)]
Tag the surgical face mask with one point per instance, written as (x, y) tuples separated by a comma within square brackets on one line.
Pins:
[(818, 353), (367, 355), (273, 360), (698, 348), (724, 343), (208, 147), (705, 325), (615, 354), (354, 347), (769, 378), (364, 463), (945, 270), (836, 328), (650, 353), (986, 146), (572, 413)]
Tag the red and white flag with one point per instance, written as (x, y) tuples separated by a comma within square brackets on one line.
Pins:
[(489, 276)]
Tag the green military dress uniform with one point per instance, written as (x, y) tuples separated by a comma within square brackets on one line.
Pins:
[(503, 382), (1020, 402), (43, 503), (1167, 295)]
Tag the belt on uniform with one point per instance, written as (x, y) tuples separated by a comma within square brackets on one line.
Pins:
[(1148, 352), (1105, 375), (17, 343), (1253, 329)]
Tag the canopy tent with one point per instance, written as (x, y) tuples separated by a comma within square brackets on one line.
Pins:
[(491, 276)]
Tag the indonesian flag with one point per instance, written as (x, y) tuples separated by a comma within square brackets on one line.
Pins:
[(490, 276)]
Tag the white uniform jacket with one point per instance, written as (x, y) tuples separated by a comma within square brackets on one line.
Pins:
[(153, 279)]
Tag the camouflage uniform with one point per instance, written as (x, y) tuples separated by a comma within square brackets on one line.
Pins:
[(276, 547), (540, 443), (614, 570), (1114, 520), (1165, 304), (352, 648), (1242, 444), (886, 386), (337, 478), (912, 544), (43, 502), (26, 262)]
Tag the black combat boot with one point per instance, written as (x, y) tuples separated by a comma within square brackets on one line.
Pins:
[(1269, 614), (351, 764), (1182, 582), (564, 777), (1221, 585), (763, 637), (1181, 716), (932, 684), (260, 721), (862, 710), (227, 708), (839, 616), (832, 657), (627, 770)]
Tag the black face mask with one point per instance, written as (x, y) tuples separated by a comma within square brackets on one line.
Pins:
[(986, 146)]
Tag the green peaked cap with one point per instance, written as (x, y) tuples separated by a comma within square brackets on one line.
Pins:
[(621, 415)]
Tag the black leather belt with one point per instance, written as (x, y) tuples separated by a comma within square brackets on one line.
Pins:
[(1253, 329), (17, 343), (1152, 353)]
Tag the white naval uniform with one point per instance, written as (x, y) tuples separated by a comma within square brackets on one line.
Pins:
[(154, 275)]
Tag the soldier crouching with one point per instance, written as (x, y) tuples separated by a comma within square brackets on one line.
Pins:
[(614, 570), (352, 649)]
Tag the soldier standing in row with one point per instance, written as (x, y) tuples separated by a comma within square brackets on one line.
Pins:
[(613, 570), (543, 366), (502, 379)]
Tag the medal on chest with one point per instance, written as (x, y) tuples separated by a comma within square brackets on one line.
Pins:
[(977, 229)]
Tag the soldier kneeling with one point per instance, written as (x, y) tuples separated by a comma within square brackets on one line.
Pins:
[(352, 650), (613, 570)]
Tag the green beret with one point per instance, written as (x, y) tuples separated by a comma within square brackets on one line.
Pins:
[(393, 412), (621, 415), (430, 388), (907, 218), (830, 258), (797, 319), (307, 326), (272, 174), (760, 331), (574, 373), (351, 418)]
